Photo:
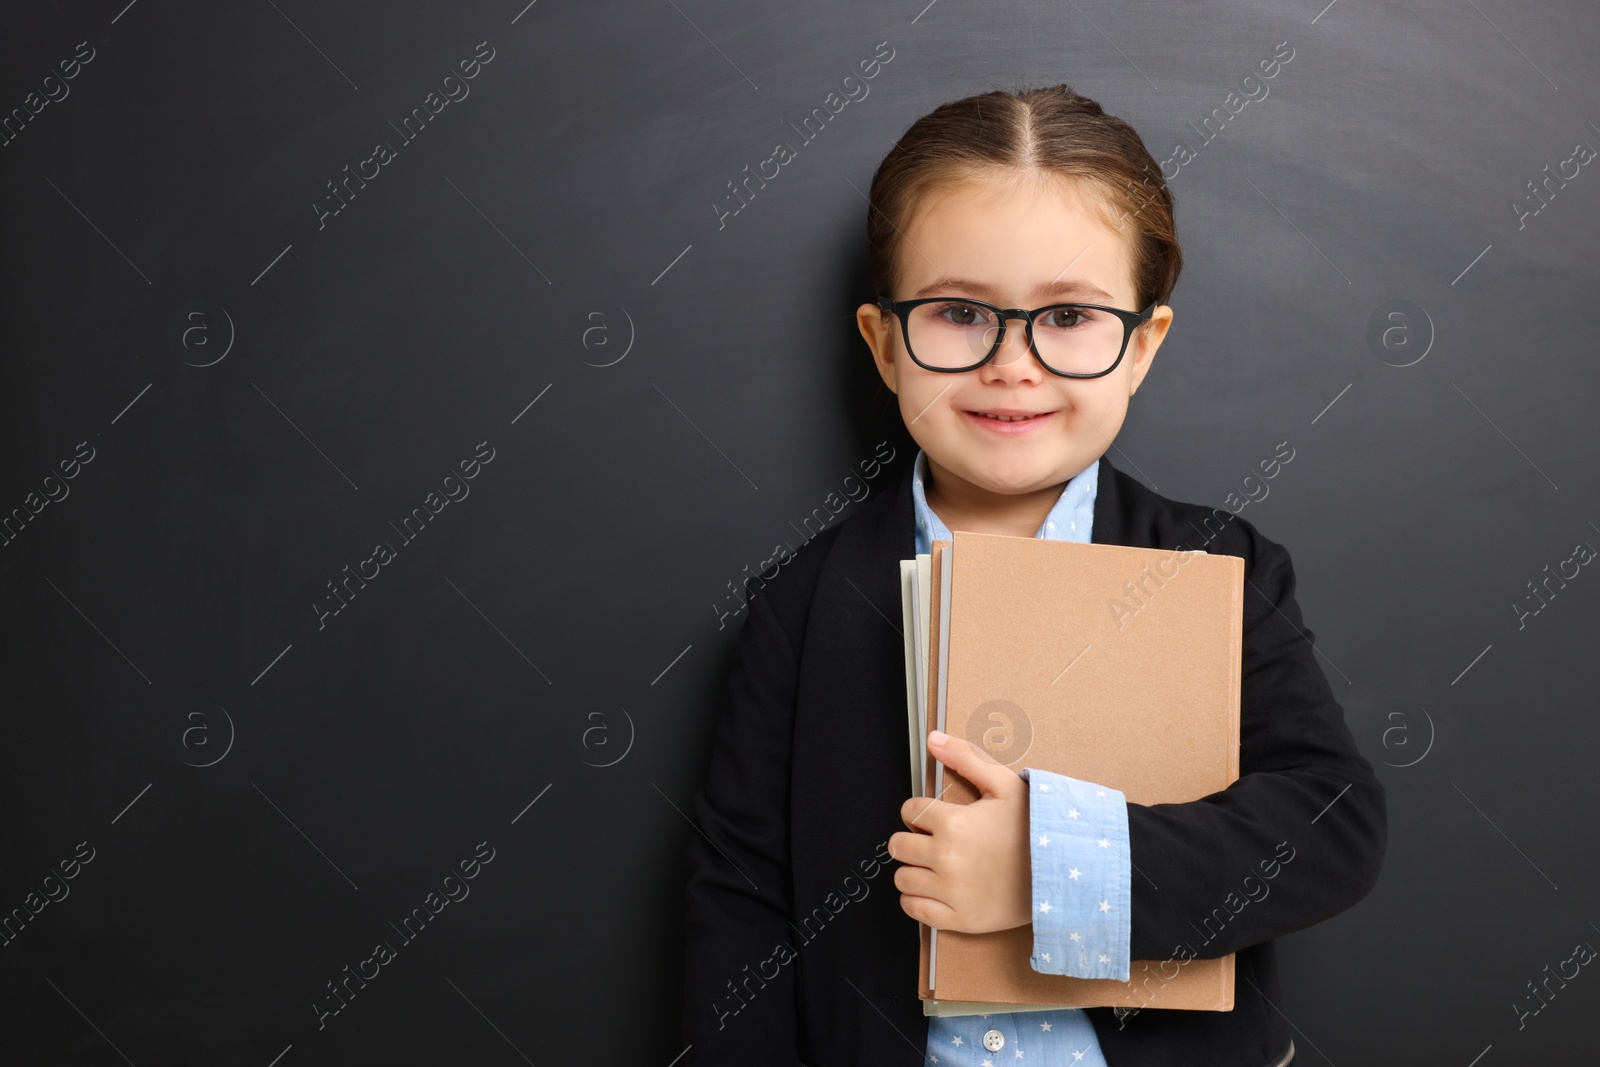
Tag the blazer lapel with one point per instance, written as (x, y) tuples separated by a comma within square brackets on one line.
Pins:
[(1112, 511), (851, 768)]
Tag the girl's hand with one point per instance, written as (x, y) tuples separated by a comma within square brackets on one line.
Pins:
[(969, 869)]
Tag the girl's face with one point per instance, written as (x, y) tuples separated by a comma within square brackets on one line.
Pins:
[(1012, 246)]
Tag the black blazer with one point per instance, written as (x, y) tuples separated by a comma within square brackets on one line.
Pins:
[(797, 949)]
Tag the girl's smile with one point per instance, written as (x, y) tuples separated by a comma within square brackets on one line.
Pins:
[(1010, 422)]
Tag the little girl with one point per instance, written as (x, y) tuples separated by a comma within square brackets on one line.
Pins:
[(1022, 249)]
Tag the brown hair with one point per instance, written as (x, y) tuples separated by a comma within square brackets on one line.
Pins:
[(1050, 132)]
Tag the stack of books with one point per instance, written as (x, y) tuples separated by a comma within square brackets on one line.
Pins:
[(1110, 664)]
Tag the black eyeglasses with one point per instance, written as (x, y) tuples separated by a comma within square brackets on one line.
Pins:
[(956, 333)]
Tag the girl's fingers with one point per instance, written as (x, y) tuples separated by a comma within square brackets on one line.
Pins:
[(917, 882), (913, 849), (922, 813), (929, 911)]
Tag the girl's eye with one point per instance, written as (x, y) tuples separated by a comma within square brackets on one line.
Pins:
[(1066, 318), (963, 314)]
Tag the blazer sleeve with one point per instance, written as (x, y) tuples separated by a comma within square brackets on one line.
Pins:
[(739, 886), (1299, 837)]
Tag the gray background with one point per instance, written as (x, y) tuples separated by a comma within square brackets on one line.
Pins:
[(485, 287)]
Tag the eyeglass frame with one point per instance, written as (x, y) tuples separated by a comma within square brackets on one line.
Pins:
[(1131, 320)]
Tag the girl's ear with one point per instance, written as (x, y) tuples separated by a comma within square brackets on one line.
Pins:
[(1144, 343), (879, 335)]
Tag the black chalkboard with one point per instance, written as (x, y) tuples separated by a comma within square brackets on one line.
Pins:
[(397, 397)]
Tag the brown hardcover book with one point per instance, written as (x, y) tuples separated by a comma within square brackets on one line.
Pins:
[(1107, 663)]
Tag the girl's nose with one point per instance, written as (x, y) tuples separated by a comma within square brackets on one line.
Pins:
[(1015, 355)]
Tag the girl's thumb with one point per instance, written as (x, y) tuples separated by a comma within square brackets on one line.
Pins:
[(967, 760)]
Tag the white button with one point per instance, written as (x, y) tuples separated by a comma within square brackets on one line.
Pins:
[(994, 1041)]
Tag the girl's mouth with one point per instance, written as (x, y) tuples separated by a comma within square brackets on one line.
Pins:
[(1010, 425)]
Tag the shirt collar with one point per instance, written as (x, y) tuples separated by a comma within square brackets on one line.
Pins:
[(1070, 519)]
